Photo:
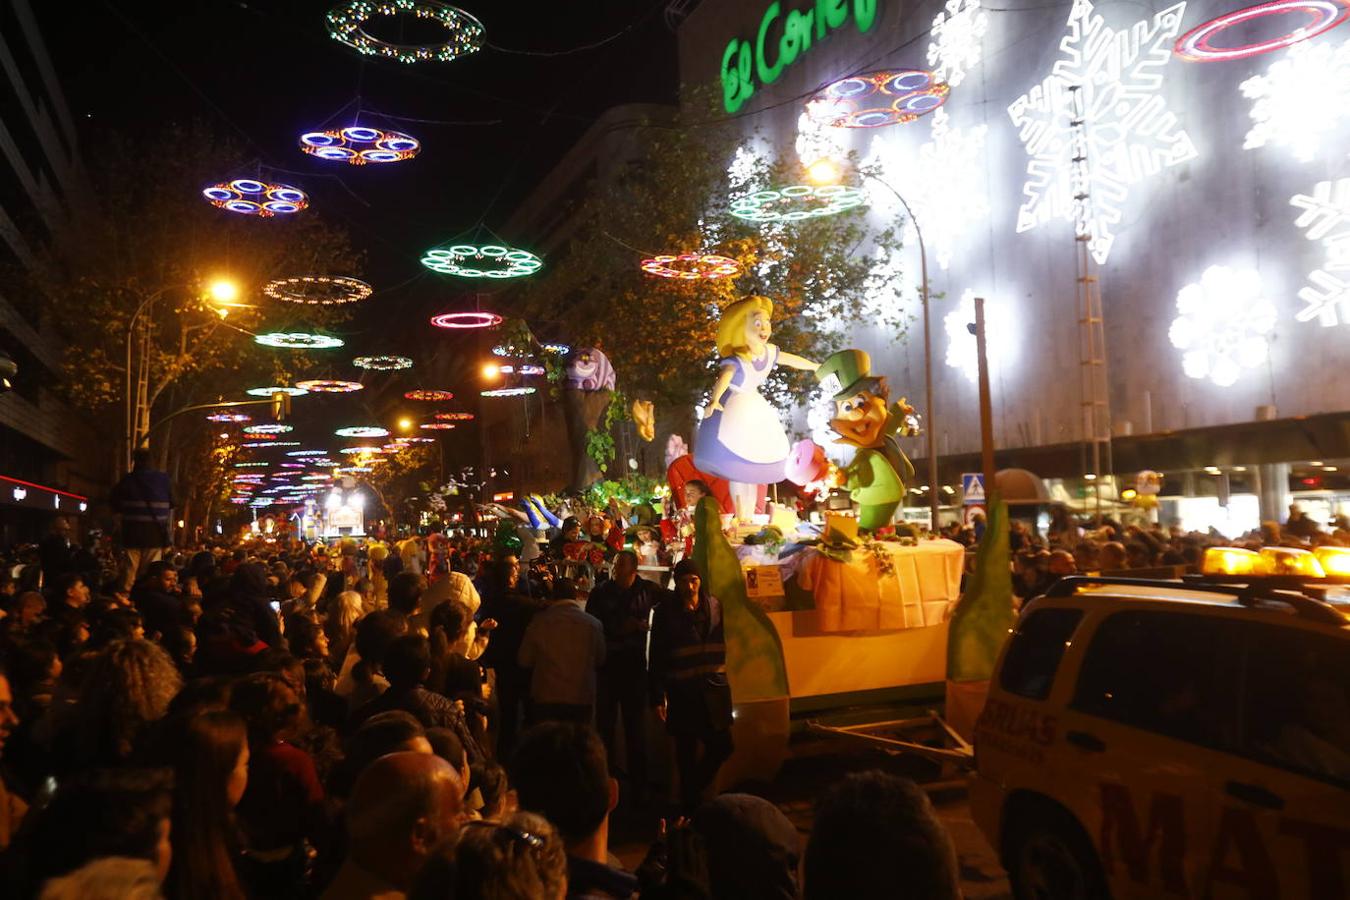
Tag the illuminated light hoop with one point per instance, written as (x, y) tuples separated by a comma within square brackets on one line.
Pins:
[(419, 440), (358, 449), (251, 465), (229, 417), (454, 416), (350, 470), (692, 266), (530, 370), (298, 340), (258, 445), (429, 395), (557, 349), (323, 463), (383, 363), (250, 197), (268, 428), (507, 392), (466, 320), (877, 99), (464, 33), (278, 389), (1195, 45), (303, 453), (328, 386), (362, 431), (359, 145), (318, 290), (796, 202), (508, 262), (436, 426), (292, 465)]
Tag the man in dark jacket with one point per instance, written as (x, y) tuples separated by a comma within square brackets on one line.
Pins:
[(157, 599), (624, 605), (688, 678), (143, 503)]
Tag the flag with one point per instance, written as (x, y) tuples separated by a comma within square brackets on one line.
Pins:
[(984, 614)]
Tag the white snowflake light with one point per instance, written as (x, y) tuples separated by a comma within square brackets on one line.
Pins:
[(1302, 98), (1131, 134), (747, 169), (957, 40), (962, 349), (817, 141), (1222, 325), (1325, 218)]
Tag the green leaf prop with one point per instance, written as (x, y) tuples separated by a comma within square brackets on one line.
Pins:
[(984, 613)]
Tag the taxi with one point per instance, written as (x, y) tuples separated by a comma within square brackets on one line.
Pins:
[(1173, 738)]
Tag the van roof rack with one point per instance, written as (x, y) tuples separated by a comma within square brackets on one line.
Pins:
[(1249, 591)]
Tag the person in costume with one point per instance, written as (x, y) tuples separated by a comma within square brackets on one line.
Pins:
[(741, 438), (876, 477)]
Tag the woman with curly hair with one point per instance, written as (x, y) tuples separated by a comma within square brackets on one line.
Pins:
[(210, 760), (340, 625), (519, 858), (124, 695)]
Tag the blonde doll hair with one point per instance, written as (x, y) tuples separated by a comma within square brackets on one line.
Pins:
[(731, 330)]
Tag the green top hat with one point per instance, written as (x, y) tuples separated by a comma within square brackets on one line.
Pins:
[(847, 372)]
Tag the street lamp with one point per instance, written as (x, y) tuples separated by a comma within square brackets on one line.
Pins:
[(491, 370), (829, 171), (405, 424)]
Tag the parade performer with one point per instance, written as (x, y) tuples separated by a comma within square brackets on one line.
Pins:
[(743, 440), (876, 477)]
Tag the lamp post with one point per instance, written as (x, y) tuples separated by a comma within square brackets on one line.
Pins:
[(222, 293), (831, 171)]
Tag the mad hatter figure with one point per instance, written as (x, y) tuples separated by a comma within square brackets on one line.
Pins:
[(876, 477)]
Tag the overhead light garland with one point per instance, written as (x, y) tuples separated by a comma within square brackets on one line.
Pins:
[(318, 290), (251, 197), (796, 202), (418, 440), (348, 23), (229, 417), (347, 451), (383, 363), (298, 340), (304, 453), (268, 428), (431, 396), (1197, 45), (692, 266), (482, 261), (359, 145), (876, 99), (436, 426), (276, 389), (454, 416), (507, 392), (330, 386), (251, 465), (466, 320), (362, 431)]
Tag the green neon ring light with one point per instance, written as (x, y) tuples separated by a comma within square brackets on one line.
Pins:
[(482, 261), (796, 203)]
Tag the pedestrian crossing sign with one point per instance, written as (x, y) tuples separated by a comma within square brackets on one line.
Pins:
[(972, 488)]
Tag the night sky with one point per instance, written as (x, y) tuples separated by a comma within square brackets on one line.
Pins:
[(265, 71)]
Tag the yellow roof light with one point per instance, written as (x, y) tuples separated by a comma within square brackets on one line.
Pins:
[(1335, 561), (1232, 561), (1292, 561)]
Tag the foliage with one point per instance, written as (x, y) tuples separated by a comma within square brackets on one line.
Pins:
[(400, 478), (600, 439), (659, 332), (632, 488), (156, 242)]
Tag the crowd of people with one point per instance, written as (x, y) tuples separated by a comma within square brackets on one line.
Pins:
[(412, 718)]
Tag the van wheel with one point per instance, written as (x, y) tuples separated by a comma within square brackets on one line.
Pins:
[(1050, 858)]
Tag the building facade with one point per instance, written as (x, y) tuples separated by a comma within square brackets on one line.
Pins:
[(47, 462), (1153, 199)]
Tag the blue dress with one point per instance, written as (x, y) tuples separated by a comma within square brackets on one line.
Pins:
[(744, 441)]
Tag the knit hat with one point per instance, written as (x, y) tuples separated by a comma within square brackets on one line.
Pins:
[(687, 567)]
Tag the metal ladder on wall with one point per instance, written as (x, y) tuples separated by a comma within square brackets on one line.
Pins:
[(1094, 389)]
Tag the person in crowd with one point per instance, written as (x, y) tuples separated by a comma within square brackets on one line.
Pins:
[(454, 637), (12, 807), (143, 503), (69, 594), (405, 594), (99, 812), (210, 757), (252, 600), (339, 625), (305, 637), (283, 804), (562, 647), (504, 604), (752, 849), (124, 695), (402, 806), (407, 665), (156, 597), (29, 607), (624, 606), (876, 836), (390, 732), (56, 551), (518, 858), (115, 624), (361, 679), (106, 878), (1111, 557), (688, 682), (559, 771)]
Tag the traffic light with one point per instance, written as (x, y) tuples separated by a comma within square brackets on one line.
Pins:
[(281, 405)]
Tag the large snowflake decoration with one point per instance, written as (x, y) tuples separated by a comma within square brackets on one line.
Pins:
[(1129, 132), (1301, 99), (962, 351), (957, 40), (1325, 218), (1222, 325), (946, 187), (817, 140)]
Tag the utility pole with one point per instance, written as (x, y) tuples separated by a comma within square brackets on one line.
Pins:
[(986, 406)]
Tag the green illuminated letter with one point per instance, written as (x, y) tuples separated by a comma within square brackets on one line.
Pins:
[(767, 74), (796, 37), (736, 84), (830, 14), (865, 13)]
